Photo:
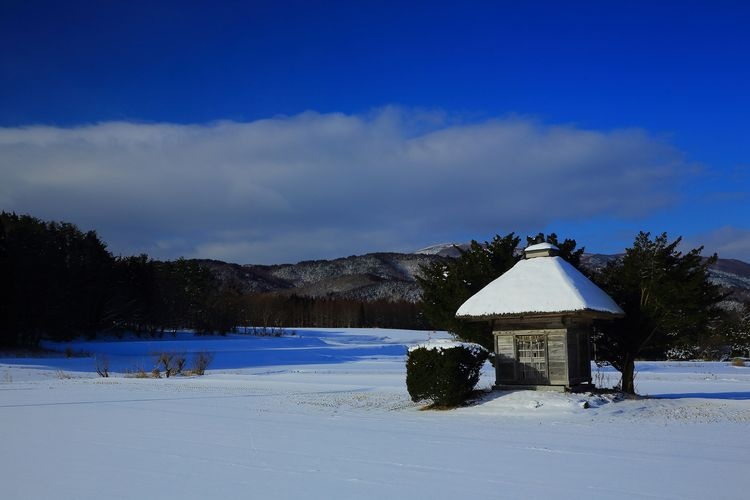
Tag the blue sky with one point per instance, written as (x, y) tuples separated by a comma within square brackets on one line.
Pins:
[(279, 131)]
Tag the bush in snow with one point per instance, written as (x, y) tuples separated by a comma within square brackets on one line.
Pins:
[(201, 361), (102, 366), (738, 362), (444, 372), (170, 363)]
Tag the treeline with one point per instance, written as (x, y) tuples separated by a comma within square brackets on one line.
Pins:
[(297, 311), (57, 282)]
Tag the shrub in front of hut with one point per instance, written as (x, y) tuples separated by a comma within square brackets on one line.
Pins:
[(444, 372)]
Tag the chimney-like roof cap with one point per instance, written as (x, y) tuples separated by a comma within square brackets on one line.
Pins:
[(541, 250)]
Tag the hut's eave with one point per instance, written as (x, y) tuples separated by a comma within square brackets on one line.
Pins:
[(531, 315)]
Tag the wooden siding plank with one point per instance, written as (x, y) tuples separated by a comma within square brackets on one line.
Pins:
[(558, 357)]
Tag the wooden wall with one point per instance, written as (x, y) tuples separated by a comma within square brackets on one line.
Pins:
[(507, 371), (568, 356), (505, 349), (557, 350)]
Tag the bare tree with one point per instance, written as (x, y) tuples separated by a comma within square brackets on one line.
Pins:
[(102, 366), (201, 362)]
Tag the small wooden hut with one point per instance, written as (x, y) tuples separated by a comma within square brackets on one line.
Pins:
[(541, 312)]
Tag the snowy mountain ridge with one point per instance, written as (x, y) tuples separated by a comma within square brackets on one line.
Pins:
[(392, 276), (366, 277)]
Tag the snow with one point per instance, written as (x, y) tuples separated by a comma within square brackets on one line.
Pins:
[(325, 414), (540, 246), (440, 344), (539, 285), (435, 249)]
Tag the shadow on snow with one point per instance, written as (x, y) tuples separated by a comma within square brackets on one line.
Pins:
[(736, 396), (230, 352)]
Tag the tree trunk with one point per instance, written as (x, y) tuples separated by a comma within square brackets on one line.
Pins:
[(628, 375)]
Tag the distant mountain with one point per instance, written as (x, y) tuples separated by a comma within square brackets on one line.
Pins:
[(362, 277), (444, 249), (391, 276)]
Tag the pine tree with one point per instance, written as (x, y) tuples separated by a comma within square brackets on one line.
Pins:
[(666, 296), (446, 285), (54, 280)]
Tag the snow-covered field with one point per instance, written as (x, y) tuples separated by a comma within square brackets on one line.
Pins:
[(325, 414)]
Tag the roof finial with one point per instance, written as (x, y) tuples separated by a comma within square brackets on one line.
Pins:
[(541, 250)]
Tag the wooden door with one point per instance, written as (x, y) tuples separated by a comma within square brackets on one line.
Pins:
[(531, 352)]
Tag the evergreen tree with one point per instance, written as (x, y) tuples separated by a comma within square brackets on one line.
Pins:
[(736, 331), (133, 299), (667, 299), (184, 291), (446, 285), (7, 296), (54, 280)]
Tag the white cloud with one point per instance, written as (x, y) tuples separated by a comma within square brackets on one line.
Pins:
[(325, 185), (728, 242)]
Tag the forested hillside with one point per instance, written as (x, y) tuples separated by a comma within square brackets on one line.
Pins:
[(369, 277)]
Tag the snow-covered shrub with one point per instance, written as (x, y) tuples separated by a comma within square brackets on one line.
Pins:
[(444, 372)]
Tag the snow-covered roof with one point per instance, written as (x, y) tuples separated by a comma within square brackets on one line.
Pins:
[(541, 285)]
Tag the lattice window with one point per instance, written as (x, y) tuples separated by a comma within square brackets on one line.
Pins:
[(531, 351)]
